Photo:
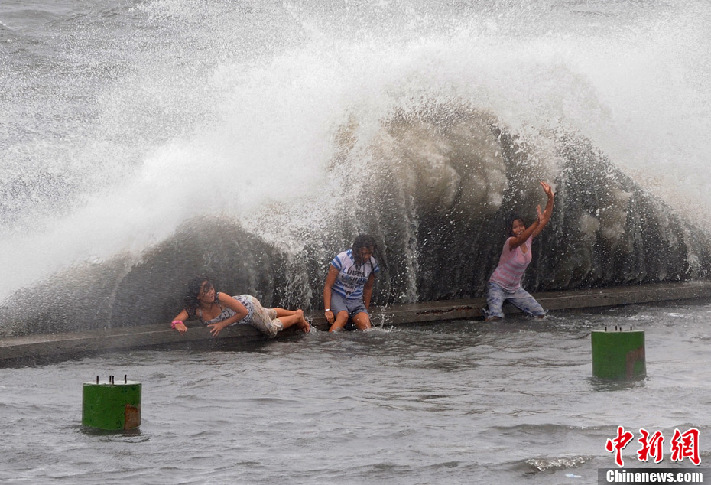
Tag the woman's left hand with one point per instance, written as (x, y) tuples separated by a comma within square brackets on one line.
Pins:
[(216, 328), (547, 189)]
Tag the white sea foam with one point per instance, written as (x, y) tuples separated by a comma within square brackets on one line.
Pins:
[(167, 111)]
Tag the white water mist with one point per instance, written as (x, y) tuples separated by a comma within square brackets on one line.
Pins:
[(163, 111)]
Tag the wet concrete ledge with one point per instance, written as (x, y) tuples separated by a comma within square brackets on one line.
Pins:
[(39, 349)]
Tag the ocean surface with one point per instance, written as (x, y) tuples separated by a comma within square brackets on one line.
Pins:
[(451, 402)]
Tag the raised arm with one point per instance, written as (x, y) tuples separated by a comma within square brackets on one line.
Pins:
[(516, 241), (535, 229), (546, 215)]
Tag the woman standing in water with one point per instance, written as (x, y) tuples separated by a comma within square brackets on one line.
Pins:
[(505, 282), (218, 310), (349, 285)]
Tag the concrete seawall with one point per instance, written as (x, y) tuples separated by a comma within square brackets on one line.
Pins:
[(38, 349)]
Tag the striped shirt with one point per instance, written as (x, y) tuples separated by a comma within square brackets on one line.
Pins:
[(352, 277), (512, 265)]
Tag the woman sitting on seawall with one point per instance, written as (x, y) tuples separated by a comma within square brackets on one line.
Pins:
[(505, 282), (349, 285), (218, 310)]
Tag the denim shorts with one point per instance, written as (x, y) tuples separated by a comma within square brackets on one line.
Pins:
[(342, 304), (520, 298)]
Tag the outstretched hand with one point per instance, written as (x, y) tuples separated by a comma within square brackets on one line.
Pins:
[(547, 189), (216, 328), (544, 215)]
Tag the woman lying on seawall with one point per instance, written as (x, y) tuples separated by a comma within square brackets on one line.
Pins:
[(505, 282), (218, 310)]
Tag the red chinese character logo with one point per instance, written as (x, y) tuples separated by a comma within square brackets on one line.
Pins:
[(685, 445), (618, 444), (651, 446)]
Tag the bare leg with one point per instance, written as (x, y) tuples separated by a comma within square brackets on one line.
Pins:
[(340, 322), (296, 317), (283, 312), (362, 321)]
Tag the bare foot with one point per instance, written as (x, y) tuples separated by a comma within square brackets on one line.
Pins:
[(304, 324)]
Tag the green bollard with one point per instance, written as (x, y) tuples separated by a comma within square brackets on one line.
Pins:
[(112, 405), (618, 354)]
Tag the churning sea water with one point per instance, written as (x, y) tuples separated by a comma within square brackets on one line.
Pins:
[(457, 402)]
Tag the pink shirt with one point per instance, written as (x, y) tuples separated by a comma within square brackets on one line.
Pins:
[(512, 265)]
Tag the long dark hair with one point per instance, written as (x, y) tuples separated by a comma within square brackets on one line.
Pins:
[(368, 241), (190, 300), (511, 220)]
